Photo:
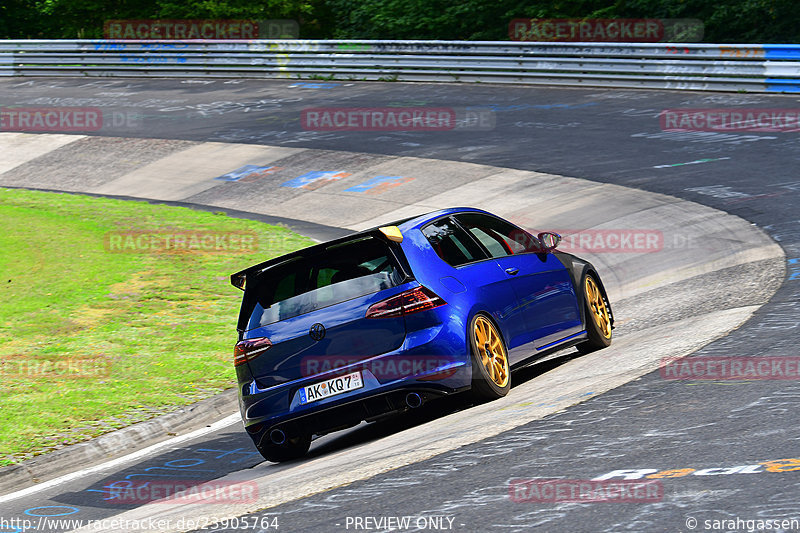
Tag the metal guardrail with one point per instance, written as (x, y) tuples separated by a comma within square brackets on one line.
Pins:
[(737, 67)]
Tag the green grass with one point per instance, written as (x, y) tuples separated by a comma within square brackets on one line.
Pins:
[(92, 340)]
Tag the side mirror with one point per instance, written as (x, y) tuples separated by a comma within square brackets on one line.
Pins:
[(549, 240)]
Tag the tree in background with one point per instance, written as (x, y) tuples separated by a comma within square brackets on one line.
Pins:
[(20, 19), (71, 19), (730, 21)]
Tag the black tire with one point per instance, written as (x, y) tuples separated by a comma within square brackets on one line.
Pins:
[(598, 316), (485, 384), (293, 448)]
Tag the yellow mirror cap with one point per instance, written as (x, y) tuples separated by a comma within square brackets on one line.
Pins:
[(392, 233)]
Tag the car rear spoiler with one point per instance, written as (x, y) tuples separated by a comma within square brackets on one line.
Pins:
[(239, 279)]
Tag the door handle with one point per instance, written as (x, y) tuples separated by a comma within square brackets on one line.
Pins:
[(513, 271)]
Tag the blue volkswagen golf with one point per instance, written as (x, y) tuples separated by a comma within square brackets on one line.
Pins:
[(383, 320)]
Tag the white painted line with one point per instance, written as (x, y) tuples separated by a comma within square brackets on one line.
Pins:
[(144, 452), (695, 162)]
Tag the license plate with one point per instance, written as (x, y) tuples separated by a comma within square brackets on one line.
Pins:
[(331, 387)]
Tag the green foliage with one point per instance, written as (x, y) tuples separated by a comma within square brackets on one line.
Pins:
[(141, 332), (740, 21), (20, 19), (70, 19)]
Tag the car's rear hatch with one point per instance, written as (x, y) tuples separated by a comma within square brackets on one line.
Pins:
[(312, 308)]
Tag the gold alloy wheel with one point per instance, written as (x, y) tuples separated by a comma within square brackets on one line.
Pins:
[(598, 307), (492, 351)]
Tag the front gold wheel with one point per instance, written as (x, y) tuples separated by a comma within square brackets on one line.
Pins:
[(598, 317), (598, 308)]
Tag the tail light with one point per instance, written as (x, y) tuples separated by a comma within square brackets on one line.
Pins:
[(405, 303), (249, 349)]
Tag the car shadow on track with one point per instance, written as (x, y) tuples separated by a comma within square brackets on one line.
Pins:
[(432, 410)]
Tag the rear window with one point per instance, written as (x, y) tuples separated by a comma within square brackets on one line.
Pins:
[(303, 284)]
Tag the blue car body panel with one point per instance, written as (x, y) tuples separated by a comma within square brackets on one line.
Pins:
[(533, 298)]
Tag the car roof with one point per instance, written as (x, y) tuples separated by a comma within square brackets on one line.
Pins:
[(406, 224), (421, 220)]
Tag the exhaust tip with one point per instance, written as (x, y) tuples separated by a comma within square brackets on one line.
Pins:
[(277, 436), (413, 400)]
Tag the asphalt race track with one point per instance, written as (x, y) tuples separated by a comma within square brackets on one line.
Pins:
[(720, 449)]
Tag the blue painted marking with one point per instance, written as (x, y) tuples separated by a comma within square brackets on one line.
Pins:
[(781, 51), (519, 107), (148, 476), (783, 86), (114, 490), (794, 268), (243, 172), (30, 512), (174, 465), (311, 180), (306, 85), (164, 46), (223, 453), (112, 45), (109, 46), (181, 468), (374, 182), (194, 462), (152, 59)]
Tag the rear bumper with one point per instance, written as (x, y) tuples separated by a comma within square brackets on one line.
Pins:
[(343, 415), (383, 393)]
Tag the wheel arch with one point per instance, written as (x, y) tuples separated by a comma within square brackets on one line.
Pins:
[(578, 268), (476, 310)]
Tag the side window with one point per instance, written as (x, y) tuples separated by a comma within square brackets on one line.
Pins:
[(498, 236), (452, 243), (493, 242)]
